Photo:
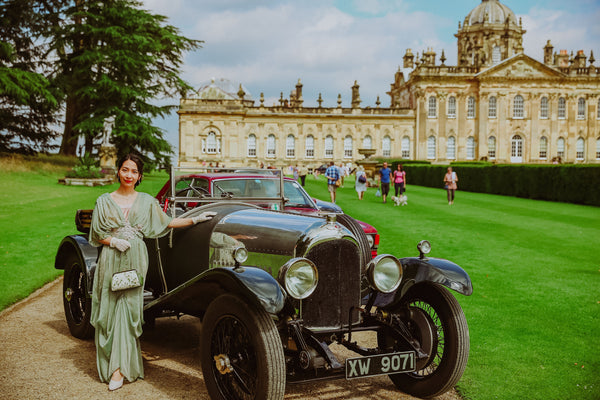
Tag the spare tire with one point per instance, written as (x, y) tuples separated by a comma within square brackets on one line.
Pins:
[(357, 230)]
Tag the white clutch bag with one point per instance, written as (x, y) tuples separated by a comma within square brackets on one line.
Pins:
[(125, 280)]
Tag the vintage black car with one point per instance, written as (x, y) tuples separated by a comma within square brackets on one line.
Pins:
[(275, 290)]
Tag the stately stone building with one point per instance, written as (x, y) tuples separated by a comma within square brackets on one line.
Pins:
[(496, 104)]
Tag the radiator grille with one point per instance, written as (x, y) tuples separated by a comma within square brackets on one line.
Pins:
[(338, 262)]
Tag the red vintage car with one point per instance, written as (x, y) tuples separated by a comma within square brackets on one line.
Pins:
[(260, 187)]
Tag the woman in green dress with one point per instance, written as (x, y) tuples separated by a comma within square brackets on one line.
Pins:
[(120, 221)]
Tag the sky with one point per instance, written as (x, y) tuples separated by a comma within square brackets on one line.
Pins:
[(267, 45)]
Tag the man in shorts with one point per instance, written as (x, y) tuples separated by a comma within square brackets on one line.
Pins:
[(384, 179), (332, 174)]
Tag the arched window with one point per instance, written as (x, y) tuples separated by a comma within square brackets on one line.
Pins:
[(310, 146), (251, 145), (516, 149), (367, 142), (431, 147), (598, 149), (471, 107), (470, 148), (405, 147), (518, 107), (451, 148), (290, 146), (580, 149), (432, 112), (386, 146), (271, 146), (451, 107), (544, 108), (348, 147), (492, 147), (560, 147), (211, 146), (496, 55), (492, 107), (329, 146), (543, 147), (562, 108), (581, 108)]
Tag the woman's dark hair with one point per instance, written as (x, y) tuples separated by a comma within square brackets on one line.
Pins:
[(401, 167), (138, 162)]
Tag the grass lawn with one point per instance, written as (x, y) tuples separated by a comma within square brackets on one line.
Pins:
[(534, 314)]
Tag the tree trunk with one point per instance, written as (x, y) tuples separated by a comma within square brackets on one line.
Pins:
[(68, 146)]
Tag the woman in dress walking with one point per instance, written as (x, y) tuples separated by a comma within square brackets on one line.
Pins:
[(120, 221), (450, 180), (361, 182)]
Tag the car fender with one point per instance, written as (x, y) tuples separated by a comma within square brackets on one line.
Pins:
[(428, 270), (88, 255), (250, 283)]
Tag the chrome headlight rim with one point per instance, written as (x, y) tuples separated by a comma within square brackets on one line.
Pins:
[(383, 278), (289, 275), (424, 247), (240, 254)]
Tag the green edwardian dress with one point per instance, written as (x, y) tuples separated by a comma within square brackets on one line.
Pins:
[(118, 316)]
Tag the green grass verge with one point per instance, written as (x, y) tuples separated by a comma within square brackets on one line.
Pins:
[(534, 313), (535, 310)]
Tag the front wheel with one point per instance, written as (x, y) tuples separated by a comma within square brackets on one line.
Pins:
[(439, 325), (241, 352)]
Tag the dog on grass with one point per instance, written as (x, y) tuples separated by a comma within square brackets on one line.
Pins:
[(400, 200)]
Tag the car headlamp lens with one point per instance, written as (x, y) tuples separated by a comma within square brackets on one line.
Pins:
[(240, 254), (371, 240), (424, 247), (384, 273), (299, 276)]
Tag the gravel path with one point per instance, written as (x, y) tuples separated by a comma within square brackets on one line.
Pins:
[(39, 359)]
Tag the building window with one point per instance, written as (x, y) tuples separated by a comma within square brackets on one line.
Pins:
[(405, 147), (543, 148), (432, 113), (496, 55), (431, 147), (598, 110), (581, 108), (452, 107), (310, 146), (580, 149), (348, 147), (598, 149), (470, 148), (492, 107), (518, 107), (271, 146), (211, 145), (560, 147), (290, 146), (329, 146), (516, 147), (492, 147), (544, 108), (562, 108), (367, 142), (451, 148), (252, 145), (386, 146), (471, 107)]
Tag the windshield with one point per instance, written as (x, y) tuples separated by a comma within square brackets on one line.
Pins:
[(260, 187)]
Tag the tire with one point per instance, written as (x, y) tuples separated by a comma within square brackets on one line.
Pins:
[(357, 230), (245, 340), (435, 310), (77, 304)]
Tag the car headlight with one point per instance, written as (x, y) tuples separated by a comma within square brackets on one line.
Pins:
[(384, 273), (299, 276), (424, 248), (371, 241), (240, 254)]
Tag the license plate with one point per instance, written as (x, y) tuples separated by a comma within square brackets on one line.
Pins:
[(381, 364)]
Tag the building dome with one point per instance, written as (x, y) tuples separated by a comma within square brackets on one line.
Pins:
[(221, 89), (490, 11)]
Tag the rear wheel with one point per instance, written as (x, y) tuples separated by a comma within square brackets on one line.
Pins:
[(241, 352), (77, 304), (439, 325)]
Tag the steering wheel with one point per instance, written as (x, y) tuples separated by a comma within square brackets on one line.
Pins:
[(201, 192)]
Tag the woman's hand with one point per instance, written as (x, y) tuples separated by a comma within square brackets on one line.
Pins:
[(119, 244), (205, 216)]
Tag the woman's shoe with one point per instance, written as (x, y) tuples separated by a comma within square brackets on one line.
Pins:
[(114, 385)]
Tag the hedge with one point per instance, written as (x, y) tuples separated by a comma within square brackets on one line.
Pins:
[(568, 183)]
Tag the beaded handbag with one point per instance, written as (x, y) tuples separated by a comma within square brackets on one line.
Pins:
[(125, 280)]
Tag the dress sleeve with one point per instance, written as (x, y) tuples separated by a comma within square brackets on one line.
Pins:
[(103, 222), (155, 221)]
